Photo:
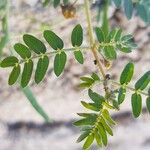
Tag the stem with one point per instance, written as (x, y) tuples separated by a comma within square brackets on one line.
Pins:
[(91, 37), (128, 87), (105, 24), (52, 53), (5, 28)]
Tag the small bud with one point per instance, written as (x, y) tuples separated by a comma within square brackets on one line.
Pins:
[(95, 62), (108, 76)]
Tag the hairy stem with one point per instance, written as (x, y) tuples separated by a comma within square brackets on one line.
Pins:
[(91, 37)]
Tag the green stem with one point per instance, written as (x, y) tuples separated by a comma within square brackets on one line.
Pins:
[(91, 37), (105, 24), (128, 87), (53, 53), (5, 28), (28, 93)]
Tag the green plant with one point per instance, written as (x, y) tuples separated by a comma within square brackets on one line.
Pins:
[(4, 39), (96, 124)]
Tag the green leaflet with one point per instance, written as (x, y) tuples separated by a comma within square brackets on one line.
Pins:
[(111, 36), (56, 3), (100, 34), (128, 8), (103, 134), (95, 77), (91, 106), (106, 126), (96, 97), (88, 141), (87, 114), (117, 3), (121, 95), (148, 104), (98, 138), (85, 85), (83, 136), (14, 75), (107, 116), (77, 36), (59, 63), (109, 52), (115, 104), (34, 44), (22, 50), (79, 56), (65, 2), (46, 2), (142, 12), (118, 35), (127, 74), (136, 100), (54, 41), (85, 121), (9, 62), (27, 72), (41, 68), (87, 80), (143, 82), (32, 99)]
